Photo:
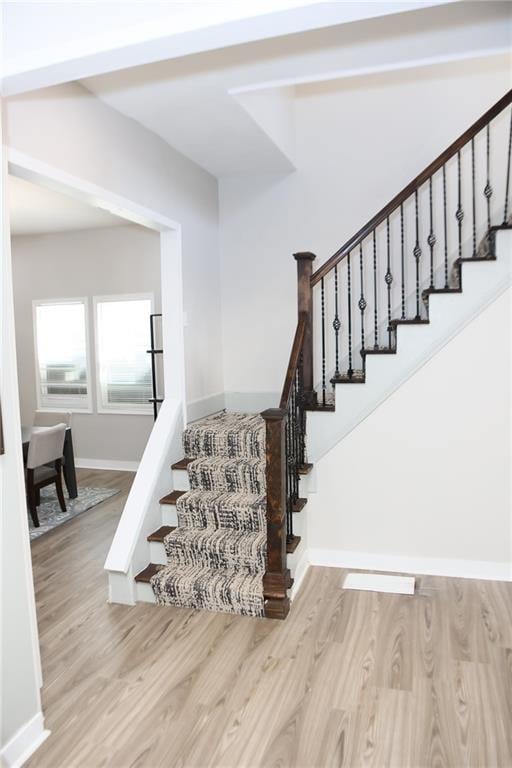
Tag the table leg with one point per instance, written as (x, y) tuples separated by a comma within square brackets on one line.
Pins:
[(69, 466)]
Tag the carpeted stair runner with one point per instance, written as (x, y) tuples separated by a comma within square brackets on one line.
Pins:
[(216, 555)]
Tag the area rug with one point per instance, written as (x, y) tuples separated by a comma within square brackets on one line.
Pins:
[(50, 514)]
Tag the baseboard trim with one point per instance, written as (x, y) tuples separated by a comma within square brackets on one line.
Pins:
[(114, 464), (300, 573), (198, 409), (371, 561), (24, 742)]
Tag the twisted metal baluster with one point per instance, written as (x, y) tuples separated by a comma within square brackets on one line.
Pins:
[(417, 256), (459, 213), (445, 226), (473, 182), (388, 278), (302, 411), (362, 300), (507, 184), (375, 311), (350, 371), (336, 325), (431, 240), (323, 339), (402, 247), (488, 188)]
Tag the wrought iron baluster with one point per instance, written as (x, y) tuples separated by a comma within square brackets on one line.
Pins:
[(389, 279), (445, 226), (323, 339), (417, 256), (350, 371), (459, 213), (402, 252), (302, 412), (362, 300), (336, 325), (507, 183), (375, 308), (289, 509), (431, 240), (488, 188), (473, 182)]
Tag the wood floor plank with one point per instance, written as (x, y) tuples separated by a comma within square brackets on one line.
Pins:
[(350, 679)]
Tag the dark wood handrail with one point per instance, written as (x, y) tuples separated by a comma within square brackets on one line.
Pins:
[(412, 186), (294, 361)]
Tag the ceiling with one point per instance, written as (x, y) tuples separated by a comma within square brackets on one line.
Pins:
[(35, 210), (231, 110)]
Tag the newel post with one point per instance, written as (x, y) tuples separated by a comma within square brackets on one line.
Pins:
[(276, 580), (305, 305)]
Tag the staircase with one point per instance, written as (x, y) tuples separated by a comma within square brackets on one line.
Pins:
[(370, 315)]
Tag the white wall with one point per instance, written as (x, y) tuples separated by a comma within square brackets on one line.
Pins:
[(80, 135), (358, 142), (423, 484), (86, 263)]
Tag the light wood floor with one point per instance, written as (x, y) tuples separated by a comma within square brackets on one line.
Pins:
[(350, 679)]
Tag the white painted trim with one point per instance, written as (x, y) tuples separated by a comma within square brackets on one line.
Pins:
[(125, 410), (300, 574), (490, 570), (64, 404), (24, 742), (38, 172), (107, 464), (198, 409)]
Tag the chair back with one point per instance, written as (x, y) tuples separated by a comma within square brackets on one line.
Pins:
[(46, 445), (48, 419)]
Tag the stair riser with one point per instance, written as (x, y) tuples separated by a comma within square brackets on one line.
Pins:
[(180, 481), (234, 479), (169, 515), (157, 553), (144, 593)]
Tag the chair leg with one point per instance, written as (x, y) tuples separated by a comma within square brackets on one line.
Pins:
[(60, 493), (38, 496), (32, 505)]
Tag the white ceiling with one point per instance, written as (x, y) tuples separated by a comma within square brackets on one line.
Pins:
[(35, 210), (201, 104)]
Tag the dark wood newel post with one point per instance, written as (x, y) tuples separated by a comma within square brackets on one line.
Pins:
[(305, 305), (276, 580)]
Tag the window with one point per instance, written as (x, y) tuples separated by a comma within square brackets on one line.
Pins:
[(123, 364), (62, 370)]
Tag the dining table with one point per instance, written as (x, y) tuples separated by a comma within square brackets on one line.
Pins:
[(68, 464)]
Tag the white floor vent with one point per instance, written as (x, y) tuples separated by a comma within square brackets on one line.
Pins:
[(380, 582)]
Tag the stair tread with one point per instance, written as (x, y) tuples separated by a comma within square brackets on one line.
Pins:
[(161, 533), (171, 497), (292, 542), (182, 463), (358, 377), (328, 407), (299, 505), (379, 351), (149, 571), (305, 469), (413, 321), (429, 291)]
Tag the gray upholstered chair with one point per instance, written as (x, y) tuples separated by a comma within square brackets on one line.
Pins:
[(44, 466), (49, 419)]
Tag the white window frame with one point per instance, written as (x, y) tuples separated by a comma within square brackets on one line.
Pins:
[(63, 403), (141, 410)]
